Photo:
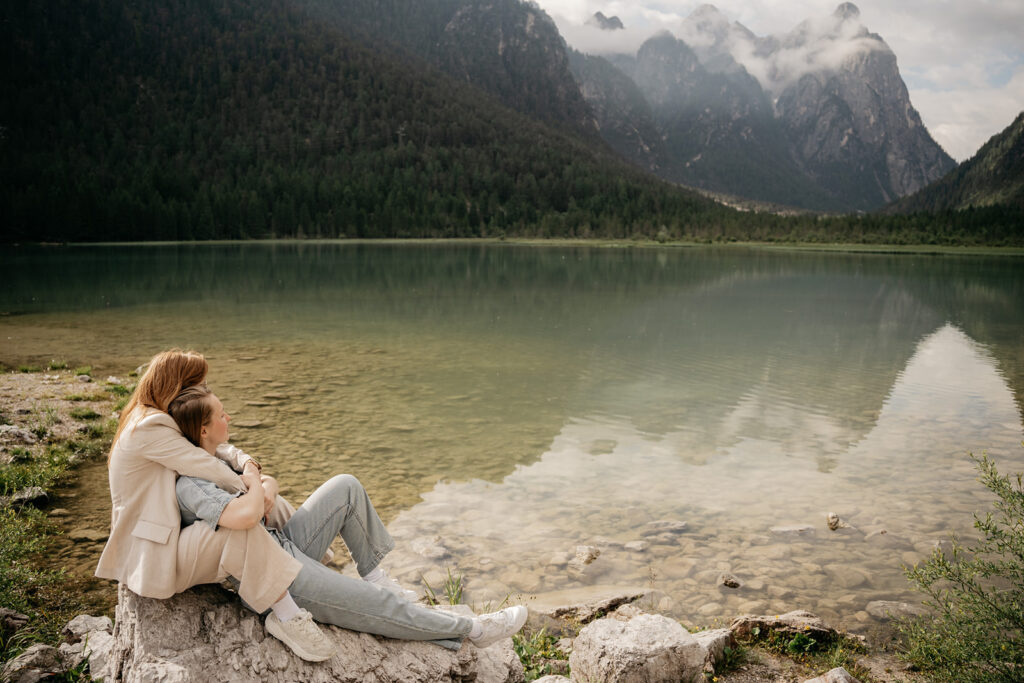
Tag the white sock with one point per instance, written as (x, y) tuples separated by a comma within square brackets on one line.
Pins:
[(477, 630), (285, 608), (376, 576)]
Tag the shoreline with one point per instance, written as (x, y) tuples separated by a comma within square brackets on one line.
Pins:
[(625, 243), (67, 407)]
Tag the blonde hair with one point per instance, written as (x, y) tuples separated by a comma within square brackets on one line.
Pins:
[(168, 373)]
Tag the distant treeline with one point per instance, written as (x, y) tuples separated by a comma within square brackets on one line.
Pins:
[(189, 120)]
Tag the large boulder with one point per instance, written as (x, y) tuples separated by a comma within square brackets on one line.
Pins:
[(204, 634), (631, 647)]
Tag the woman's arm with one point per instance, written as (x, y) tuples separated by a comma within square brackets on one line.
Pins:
[(247, 510), (158, 439)]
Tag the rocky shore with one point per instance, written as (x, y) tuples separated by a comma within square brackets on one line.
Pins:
[(607, 631), (205, 634)]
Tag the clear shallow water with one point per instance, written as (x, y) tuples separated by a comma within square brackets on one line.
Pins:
[(505, 404)]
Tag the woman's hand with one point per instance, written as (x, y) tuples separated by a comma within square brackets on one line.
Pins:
[(251, 479), (246, 511), (270, 489)]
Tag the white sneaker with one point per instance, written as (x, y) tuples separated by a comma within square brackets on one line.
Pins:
[(302, 636), (500, 625), (390, 585)]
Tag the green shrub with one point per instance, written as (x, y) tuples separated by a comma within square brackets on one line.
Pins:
[(83, 370), (537, 651), (57, 365), (977, 594), (84, 414), (29, 368)]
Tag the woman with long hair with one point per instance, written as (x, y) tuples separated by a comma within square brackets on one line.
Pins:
[(153, 555)]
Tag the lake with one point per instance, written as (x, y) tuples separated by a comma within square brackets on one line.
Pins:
[(684, 412)]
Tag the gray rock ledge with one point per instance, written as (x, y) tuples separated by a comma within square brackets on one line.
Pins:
[(204, 634)]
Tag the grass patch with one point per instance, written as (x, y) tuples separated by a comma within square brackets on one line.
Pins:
[(84, 414), (95, 396), (451, 589), (29, 368), (119, 390), (57, 365), (49, 597), (83, 370), (539, 654), (822, 656)]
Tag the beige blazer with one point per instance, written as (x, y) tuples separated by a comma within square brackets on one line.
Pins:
[(144, 522)]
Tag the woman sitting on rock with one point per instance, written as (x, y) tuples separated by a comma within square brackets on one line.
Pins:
[(153, 555)]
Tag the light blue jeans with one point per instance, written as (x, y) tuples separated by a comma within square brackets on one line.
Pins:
[(341, 506)]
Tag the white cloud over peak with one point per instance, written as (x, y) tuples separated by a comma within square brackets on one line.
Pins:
[(963, 62)]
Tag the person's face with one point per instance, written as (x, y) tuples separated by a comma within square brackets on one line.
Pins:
[(215, 432)]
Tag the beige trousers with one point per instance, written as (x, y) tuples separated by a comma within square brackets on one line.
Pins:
[(262, 567)]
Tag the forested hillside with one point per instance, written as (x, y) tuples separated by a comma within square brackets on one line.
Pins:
[(994, 177), (191, 120), (183, 119)]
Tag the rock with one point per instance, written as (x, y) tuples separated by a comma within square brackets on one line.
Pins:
[(884, 539), (563, 612), (729, 581), (205, 634), (636, 546), (84, 624), (249, 424), (551, 678), (798, 621), (834, 522), (585, 555), (113, 380), (662, 526), (30, 495), (836, 675), (85, 379), (12, 434), (59, 512), (890, 609), (430, 548), (34, 664), (715, 641), (92, 535), (845, 576), (793, 530), (647, 647), (11, 622)]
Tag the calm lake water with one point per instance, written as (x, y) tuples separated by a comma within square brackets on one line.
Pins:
[(505, 404)]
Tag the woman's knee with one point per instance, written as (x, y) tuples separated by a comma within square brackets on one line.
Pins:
[(345, 483)]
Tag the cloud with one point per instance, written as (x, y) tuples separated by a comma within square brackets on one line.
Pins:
[(962, 120), (947, 50)]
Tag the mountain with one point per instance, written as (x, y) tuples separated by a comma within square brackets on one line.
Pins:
[(183, 119), (818, 118), (508, 48), (605, 23), (714, 130), (993, 177)]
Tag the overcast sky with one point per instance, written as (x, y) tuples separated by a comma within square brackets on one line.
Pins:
[(962, 60)]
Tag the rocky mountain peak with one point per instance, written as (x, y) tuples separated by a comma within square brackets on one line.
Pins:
[(847, 10), (605, 23)]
